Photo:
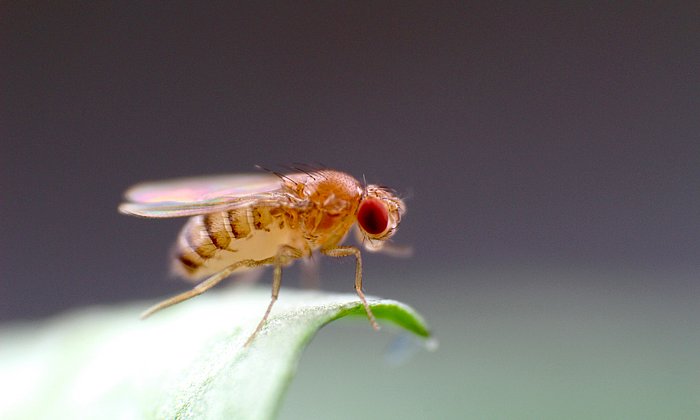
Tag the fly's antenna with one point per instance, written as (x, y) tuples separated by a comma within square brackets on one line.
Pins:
[(371, 242), (279, 175)]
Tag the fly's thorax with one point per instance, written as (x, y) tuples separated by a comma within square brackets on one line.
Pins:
[(331, 199), (209, 243)]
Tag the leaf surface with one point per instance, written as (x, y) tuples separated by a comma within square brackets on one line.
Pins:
[(184, 362)]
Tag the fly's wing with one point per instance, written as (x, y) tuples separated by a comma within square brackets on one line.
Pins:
[(192, 196)]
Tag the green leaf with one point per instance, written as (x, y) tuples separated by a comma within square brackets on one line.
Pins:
[(184, 362)]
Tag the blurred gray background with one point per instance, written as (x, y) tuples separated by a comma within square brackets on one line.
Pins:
[(549, 153)]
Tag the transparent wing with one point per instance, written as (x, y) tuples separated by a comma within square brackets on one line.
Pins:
[(201, 188), (176, 209), (200, 195)]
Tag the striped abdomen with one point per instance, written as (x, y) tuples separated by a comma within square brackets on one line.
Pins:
[(209, 243)]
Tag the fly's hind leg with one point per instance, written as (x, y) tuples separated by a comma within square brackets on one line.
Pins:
[(347, 251), (284, 254), (205, 285)]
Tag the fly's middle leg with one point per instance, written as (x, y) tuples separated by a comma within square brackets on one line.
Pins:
[(284, 254)]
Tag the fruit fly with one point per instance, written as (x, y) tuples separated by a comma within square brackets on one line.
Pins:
[(240, 222)]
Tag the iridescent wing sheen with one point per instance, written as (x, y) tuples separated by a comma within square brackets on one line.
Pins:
[(200, 188), (200, 195)]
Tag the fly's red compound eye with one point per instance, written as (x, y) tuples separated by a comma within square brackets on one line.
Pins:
[(373, 216)]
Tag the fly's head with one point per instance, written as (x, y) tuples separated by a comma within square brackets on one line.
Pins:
[(379, 215)]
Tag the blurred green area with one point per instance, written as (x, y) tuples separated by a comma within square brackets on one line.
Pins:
[(519, 344), (513, 344)]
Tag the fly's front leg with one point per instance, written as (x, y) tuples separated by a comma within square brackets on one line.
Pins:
[(347, 251), (284, 254)]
